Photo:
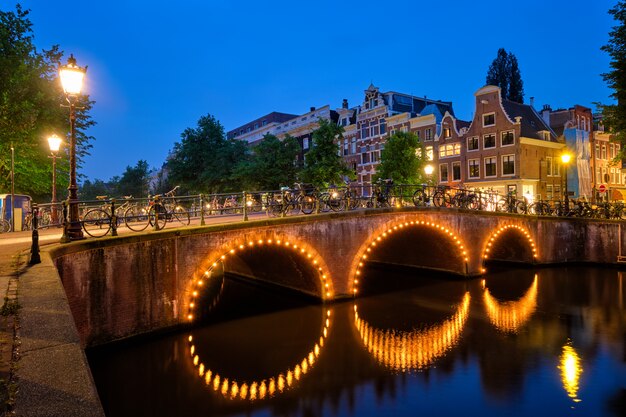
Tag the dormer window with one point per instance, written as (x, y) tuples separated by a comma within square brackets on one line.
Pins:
[(446, 132), (546, 135), (489, 119)]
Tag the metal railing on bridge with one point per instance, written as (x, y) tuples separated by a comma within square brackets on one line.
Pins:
[(105, 215)]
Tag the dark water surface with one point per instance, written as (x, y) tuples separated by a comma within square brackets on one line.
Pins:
[(547, 342)]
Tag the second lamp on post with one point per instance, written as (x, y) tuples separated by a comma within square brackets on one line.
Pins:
[(72, 81)]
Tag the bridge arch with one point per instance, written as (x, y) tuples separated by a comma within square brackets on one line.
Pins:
[(233, 389), (502, 245), (456, 261), (308, 255)]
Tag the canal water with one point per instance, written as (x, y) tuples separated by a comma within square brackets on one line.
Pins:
[(516, 342)]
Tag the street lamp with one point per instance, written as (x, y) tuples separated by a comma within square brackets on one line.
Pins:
[(72, 81), (428, 170), (54, 142), (565, 158)]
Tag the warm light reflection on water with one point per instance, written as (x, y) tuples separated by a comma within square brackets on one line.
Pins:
[(441, 347), (510, 316), (571, 369), (406, 351)]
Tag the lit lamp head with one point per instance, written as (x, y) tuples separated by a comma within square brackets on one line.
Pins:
[(428, 169), (72, 77), (55, 143), (565, 158)]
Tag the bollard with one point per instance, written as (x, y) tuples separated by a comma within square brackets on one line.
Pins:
[(34, 247), (113, 219), (202, 223), (245, 206), (65, 238)]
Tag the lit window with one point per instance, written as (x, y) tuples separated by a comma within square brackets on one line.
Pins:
[(446, 132), (473, 168), (549, 166), (428, 134), (429, 153)]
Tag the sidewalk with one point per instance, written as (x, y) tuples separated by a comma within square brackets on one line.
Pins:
[(43, 370)]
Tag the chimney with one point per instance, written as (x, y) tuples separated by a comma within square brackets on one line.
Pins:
[(344, 105), (312, 109), (545, 113), (532, 102)]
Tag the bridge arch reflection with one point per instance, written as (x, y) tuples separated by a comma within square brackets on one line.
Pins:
[(510, 316), (233, 389), (306, 254), (417, 349), (453, 256)]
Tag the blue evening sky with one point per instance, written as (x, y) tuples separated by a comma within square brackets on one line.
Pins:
[(156, 67)]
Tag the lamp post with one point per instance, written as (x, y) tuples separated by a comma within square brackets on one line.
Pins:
[(565, 158), (428, 170), (54, 142), (72, 81)]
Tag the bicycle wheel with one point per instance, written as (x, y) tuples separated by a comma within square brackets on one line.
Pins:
[(96, 223), (521, 207), (136, 218), (420, 198), (439, 199), (336, 202), (502, 206), (5, 226), (307, 204), (351, 201), (157, 215), (181, 215)]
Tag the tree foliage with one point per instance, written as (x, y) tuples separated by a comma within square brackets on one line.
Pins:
[(323, 165), (271, 164), (30, 98), (134, 181), (402, 159), (614, 116), (504, 72), (204, 160)]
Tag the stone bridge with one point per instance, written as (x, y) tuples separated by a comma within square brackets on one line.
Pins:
[(123, 286)]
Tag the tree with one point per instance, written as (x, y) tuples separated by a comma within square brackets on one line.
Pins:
[(30, 98), (134, 181), (322, 164), (204, 160), (504, 72), (89, 190), (402, 159), (271, 164), (614, 116)]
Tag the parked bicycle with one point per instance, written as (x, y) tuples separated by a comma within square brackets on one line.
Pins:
[(382, 196), (165, 208), (510, 204)]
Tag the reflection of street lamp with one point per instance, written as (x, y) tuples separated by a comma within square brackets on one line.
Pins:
[(55, 143), (72, 80), (565, 158)]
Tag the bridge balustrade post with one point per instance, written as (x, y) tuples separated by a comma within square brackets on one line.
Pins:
[(201, 197), (65, 238), (317, 201), (283, 204), (245, 206), (156, 214), (113, 219), (34, 248)]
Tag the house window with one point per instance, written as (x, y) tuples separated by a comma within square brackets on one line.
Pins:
[(546, 136), (489, 119), (428, 134), (353, 145), (472, 143), (446, 132), (473, 168), (457, 149), (489, 141), (549, 166), (443, 172), (508, 165), (442, 151), (264, 123), (365, 159), (549, 192), (490, 166), (383, 126), (429, 153), (346, 147), (305, 143), (456, 171), (375, 156), (364, 132), (603, 152), (508, 138)]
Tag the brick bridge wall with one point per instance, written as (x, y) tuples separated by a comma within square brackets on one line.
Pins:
[(123, 286)]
